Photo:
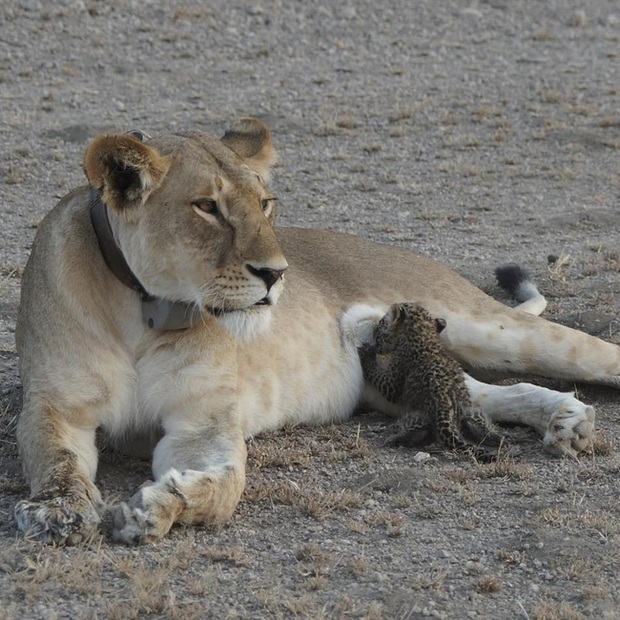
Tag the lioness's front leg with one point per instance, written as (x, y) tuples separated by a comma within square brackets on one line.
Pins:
[(60, 460), (199, 478)]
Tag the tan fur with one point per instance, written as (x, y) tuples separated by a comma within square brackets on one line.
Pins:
[(88, 361)]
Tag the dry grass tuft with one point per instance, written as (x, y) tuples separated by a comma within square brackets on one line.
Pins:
[(554, 516), (399, 114), (357, 527), (434, 579), (557, 611), (602, 445), (359, 566), (602, 521), (395, 524), (505, 468), (488, 584), (320, 505), (234, 556), (317, 565), (594, 593), (462, 476), (558, 263), (577, 568), (543, 34), (312, 553), (347, 121), (510, 558)]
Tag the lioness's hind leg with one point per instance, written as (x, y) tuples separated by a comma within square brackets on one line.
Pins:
[(199, 479), (60, 460), (564, 422), (517, 343)]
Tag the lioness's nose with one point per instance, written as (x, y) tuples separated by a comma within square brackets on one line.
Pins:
[(268, 275)]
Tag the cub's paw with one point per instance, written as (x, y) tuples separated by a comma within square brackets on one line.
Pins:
[(477, 428), (148, 516), (63, 520), (570, 429)]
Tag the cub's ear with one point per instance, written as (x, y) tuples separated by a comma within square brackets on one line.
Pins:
[(123, 169), (251, 140), (395, 313), (440, 324)]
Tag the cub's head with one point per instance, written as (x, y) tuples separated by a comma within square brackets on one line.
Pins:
[(406, 324), (193, 217)]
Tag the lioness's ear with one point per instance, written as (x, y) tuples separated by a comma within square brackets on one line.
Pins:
[(251, 140), (123, 169)]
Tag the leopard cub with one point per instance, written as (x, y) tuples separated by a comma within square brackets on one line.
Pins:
[(409, 366)]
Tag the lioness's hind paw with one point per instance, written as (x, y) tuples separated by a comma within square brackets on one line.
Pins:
[(57, 521), (570, 430)]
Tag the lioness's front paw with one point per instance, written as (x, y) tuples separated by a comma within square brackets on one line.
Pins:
[(570, 429), (62, 520), (148, 516)]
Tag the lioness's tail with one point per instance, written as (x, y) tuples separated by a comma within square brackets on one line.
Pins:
[(520, 284)]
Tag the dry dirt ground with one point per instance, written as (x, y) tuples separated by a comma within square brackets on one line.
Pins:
[(474, 131)]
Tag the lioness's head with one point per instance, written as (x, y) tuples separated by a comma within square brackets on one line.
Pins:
[(193, 217)]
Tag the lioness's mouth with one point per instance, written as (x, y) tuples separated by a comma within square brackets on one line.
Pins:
[(265, 301)]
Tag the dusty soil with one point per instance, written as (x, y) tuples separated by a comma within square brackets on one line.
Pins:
[(476, 132)]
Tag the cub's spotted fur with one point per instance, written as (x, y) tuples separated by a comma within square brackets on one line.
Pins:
[(420, 375)]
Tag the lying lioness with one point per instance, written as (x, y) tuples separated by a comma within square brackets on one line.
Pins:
[(161, 299)]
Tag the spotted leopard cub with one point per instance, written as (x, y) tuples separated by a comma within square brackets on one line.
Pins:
[(409, 366)]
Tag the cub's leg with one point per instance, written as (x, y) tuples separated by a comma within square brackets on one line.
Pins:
[(388, 380), (565, 423), (59, 457), (413, 429), (199, 477), (476, 426)]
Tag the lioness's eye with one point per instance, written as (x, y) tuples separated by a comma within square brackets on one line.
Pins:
[(207, 205)]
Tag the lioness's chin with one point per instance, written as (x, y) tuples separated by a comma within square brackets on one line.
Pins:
[(248, 323)]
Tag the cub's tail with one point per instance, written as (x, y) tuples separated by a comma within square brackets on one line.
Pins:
[(520, 284)]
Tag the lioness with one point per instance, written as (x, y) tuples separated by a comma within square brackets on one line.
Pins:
[(156, 300)]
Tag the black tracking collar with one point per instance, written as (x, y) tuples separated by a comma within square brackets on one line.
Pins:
[(159, 314)]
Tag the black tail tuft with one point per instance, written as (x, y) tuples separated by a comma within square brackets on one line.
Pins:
[(511, 278)]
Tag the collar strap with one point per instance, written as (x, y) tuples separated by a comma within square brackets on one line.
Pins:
[(159, 314), (110, 251)]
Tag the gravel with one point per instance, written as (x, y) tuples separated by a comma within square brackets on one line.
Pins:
[(477, 132)]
